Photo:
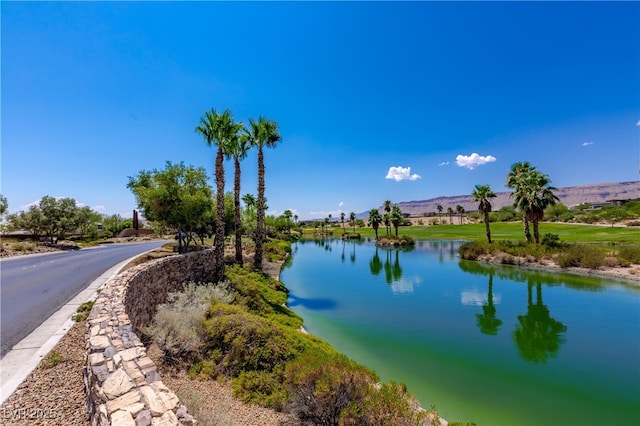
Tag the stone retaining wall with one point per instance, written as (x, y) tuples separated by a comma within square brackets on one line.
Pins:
[(122, 384)]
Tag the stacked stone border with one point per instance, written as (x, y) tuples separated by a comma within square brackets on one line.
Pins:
[(122, 383)]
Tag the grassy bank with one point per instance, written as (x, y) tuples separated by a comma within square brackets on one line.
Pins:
[(514, 231)]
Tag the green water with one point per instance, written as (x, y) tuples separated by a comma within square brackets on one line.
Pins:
[(490, 345)]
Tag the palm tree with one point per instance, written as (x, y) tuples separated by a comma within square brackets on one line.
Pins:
[(439, 208), (342, 220), (482, 194), (237, 149), (535, 194), (460, 211), (515, 180), (374, 220), (263, 133), (352, 218), (450, 213), (396, 217), (387, 216), (219, 130)]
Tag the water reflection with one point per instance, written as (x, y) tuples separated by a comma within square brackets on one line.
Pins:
[(317, 304), (537, 335)]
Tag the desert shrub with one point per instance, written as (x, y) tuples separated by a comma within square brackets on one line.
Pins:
[(388, 405), (473, 249), (178, 326), (323, 385), (629, 254), (262, 295), (551, 240), (261, 387), (245, 341), (611, 261), (581, 256), (276, 250)]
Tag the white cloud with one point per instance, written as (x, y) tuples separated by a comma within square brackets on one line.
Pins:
[(638, 123), (401, 173), (341, 203), (405, 285), (474, 160), (587, 143), (476, 298), (444, 163), (100, 208)]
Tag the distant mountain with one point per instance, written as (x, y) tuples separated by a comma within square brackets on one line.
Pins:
[(570, 196)]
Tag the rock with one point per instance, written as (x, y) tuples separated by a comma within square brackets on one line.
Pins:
[(122, 418), (143, 418), (118, 383)]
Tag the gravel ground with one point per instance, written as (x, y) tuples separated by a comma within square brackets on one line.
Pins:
[(54, 395)]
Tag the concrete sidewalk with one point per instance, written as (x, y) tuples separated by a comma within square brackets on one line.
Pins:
[(24, 357)]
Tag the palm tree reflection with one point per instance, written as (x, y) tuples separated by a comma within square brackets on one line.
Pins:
[(487, 321), (537, 335)]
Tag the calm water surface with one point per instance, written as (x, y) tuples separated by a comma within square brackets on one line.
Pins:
[(492, 345)]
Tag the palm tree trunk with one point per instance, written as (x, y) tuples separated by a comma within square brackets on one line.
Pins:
[(525, 221), (218, 243), (487, 227), (536, 235), (236, 213), (257, 260)]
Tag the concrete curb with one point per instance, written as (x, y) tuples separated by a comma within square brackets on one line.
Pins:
[(25, 356)]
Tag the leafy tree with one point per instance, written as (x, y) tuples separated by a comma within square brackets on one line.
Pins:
[(482, 194), (262, 133), (115, 224), (374, 220), (31, 220), (178, 197), (86, 220), (237, 149), (558, 212), (59, 216), (4, 205), (219, 130)]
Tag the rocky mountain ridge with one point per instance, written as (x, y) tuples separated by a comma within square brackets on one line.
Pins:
[(569, 196)]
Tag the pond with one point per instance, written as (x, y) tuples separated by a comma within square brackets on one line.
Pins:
[(494, 345)]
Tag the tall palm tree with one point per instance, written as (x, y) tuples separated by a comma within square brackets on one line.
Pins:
[(482, 194), (352, 218), (262, 133), (535, 194), (237, 149), (450, 213), (396, 217), (219, 130), (439, 208), (515, 180), (387, 216), (460, 211), (342, 220), (374, 220)]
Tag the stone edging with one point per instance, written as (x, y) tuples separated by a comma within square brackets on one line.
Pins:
[(122, 383)]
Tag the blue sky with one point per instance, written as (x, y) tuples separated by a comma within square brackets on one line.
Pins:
[(375, 101)]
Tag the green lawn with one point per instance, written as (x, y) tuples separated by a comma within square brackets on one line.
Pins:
[(514, 231)]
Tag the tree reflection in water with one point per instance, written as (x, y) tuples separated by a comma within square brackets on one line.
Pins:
[(537, 335), (487, 321)]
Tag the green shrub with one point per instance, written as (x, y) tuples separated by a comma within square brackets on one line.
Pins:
[(323, 385), (388, 405), (83, 311), (474, 249), (579, 255), (261, 387), (551, 240), (276, 250), (629, 254)]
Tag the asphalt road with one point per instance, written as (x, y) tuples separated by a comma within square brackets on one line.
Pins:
[(34, 287)]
